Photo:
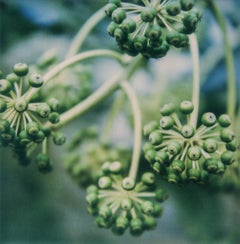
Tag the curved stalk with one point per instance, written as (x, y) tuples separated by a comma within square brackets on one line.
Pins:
[(196, 78), (137, 128), (231, 80), (84, 31), (71, 61)]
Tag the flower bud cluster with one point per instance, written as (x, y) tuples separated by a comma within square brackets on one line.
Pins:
[(22, 118), (86, 155), (120, 203), (150, 27), (182, 153)]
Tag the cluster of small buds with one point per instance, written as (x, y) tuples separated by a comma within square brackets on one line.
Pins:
[(150, 27), (22, 118), (182, 153), (86, 155), (120, 203)]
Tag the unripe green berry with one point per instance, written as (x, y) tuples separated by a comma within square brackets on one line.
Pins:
[(13, 78), (118, 16), (5, 86), (186, 107), (177, 166), (174, 148), (221, 168), (187, 131), (103, 223), (105, 212), (32, 128), (35, 80), (150, 155), (156, 137), (119, 35), (128, 183), (105, 182), (224, 120), (176, 39), (154, 32), (54, 104), (111, 28), (208, 119), (59, 138), (210, 145), (92, 189), (3, 106), (150, 127), (128, 25), (167, 109), (173, 8), (139, 42), (173, 177), (227, 135), (126, 204), (190, 21), (20, 104), (43, 110), (54, 117), (43, 163), (115, 167), (162, 157), (194, 153), (194, 174), (186, 5), (149, 223), (148, 14), (121, 224), (136, 227), (210, 165), (147, 146), (20, 69), (161, 195), (109, 8), (92, 199), (24, 138), (157, 210), (166, 122), (148, 178), (147, 207), (232, 146), (116, 2), (227, 157)]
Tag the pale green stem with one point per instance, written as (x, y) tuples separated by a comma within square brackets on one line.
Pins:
[(231, 84), (137, 128), (196, 78), (73, 60), (84, 31)]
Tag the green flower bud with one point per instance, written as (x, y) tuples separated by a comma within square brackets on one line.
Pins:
[(177, 39), (227, 135), (115, 167), (186, 107), (154, 32), (39, 137), (120, 35), (128, 25), (227, 157), (221, 168), (20, 69), (43, 110), (148, 14), (190, 21), (105, 212), (54, 104), (35, 80), (24, 138), (157, 52), (147, 146), (173, 8), (59, 138), (5, 86), (54, 117), (210, 165), (150, 155), (136, 227), (167, 109), (208, 119), (116, 2), (177, 166), (92, 189), (187, 131), (194, 153), (224, 120), (149, 223), (118, 16), (109, 8), (156, 137), (204, 177), (186, 5), (103, 223), (148, 178), (147, 207), (20, 104), (32, 128), (172, 177), (3, 106), (157, 210), (174, 148), (210, 145), (128, 183), (166, 122), (121, 224), (139, 42), (232, 146), (126, 204), (92, 199), (194, 174), (43, 163), (105, 182), (12, 78), (111, 28), (162, 157), (150, 127), (161, 195)]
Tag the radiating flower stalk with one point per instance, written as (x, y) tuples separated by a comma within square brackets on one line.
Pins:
[(22, 119), (150, 27)]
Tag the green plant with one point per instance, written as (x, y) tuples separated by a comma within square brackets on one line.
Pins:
[(182, 148)]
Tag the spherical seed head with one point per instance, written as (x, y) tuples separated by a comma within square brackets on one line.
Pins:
[(20, 69)]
